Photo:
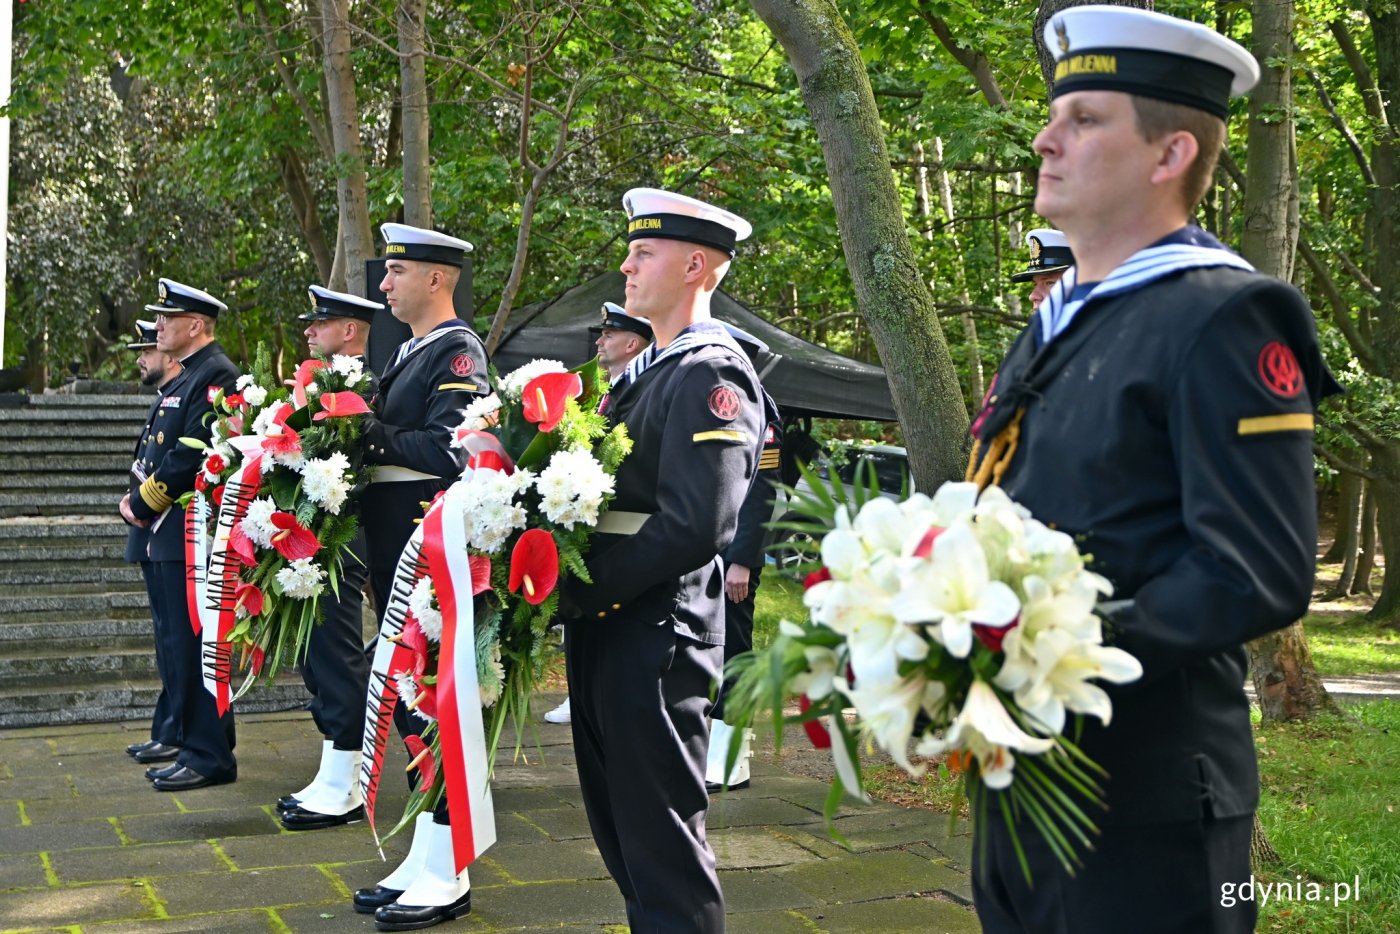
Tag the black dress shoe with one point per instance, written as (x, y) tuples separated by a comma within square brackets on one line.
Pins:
[(134, 748), (367, 901), (715, 788), (287, 802), (155, 772), (184, 778), (302, 819), (398, 917), (156, 752)]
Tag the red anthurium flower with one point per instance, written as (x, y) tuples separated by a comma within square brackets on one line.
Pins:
[(487, 460), (215, 463), (259, 658), (306, 372), (481, 573), (817, 733), (412, 638), (422, 760), (544, 398), (280, 438), (249, 597), (339, 404), (815, 578), (477, 443), (292, 539), (239, 542), (426, 700), (992, 636), (926, 543), (218, 495), (534, 564)]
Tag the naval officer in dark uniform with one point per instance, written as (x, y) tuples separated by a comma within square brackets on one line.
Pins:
[(1051, 258), (1159, 408), (422, 392), (164, 471), (645, 641), (157, 369), (743, 569), (336, 670)]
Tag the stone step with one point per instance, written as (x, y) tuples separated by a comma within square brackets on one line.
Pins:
[(80, 578), (127, 428), (76, 526), (32, 607), (118, 445), (46, 665), (54, 400), (90, 636), (59, 503), (57, 463), (20, 555), (126, 700), (76, 566), (70, 481), (78, 408)]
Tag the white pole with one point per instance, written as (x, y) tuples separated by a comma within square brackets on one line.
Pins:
[(6, 36)]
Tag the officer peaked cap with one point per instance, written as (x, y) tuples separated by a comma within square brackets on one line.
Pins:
[(178, 298), (615, 318), (1049, 251), (145, 336), (326, 304)]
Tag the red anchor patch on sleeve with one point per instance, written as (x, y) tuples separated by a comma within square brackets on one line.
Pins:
[(724, 403), (462, 365), (1279, 370)]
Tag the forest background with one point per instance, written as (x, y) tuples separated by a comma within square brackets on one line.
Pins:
[(881, 148)]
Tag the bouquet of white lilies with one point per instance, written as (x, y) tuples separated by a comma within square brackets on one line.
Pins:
[(956, 626)]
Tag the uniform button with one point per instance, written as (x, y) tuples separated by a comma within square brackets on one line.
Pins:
[(162, 413), (601, 614), (617, 606)]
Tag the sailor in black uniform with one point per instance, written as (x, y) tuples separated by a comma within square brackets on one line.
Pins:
[(1160, 409), (163, 471), (644, 642), (336, 670)]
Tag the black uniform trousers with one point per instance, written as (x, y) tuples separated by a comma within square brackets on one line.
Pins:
[(738, 633), (638, 699), (336, 669), (1161, 878), (387, 515), (165, 720), (206, 739)]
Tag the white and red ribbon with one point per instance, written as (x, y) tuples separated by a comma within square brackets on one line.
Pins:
[(438, 549), (217, 602), (197, 515)]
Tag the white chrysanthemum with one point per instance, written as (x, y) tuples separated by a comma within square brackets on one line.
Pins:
[(244, 381), (481, 414), (514, 383), (265, 418), (312, 390), (324, 481), (423, 602), (257, 522), (349, 367), (573, 487), (255, 395), (301, 580)]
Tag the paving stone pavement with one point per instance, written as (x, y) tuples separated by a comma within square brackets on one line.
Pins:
[(87, 846)]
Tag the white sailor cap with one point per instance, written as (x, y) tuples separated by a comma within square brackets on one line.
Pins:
[(404, 242), (1049, 251), (666, 215), (1114, 48), (145, 336), (326, 304), (178, 298)]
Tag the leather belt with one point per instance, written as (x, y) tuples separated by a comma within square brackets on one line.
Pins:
[(618, 522), (392, 473)]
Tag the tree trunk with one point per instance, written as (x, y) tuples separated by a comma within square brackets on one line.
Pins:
[(1385, 460), (413, 82), (345, 134), (1348, 519), (307, 214), (1286, 683), (893, 300), (976, 388), (1367, 562)]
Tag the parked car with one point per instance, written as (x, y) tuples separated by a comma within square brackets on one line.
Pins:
[(790, 548)]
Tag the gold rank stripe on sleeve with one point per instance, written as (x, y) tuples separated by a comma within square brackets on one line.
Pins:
[(721, 434), (153, 492), (769, 459), (1267, 424), (469, 387)]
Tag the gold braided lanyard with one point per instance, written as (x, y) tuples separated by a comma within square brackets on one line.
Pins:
[(999, 453)]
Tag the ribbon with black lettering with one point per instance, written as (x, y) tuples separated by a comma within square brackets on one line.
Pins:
[(221, 586), (197, 515)]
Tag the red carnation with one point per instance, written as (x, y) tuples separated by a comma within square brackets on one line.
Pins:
[(293, 540), (218, 494), (215, 464), (534, 563), (545, 398), (200, 484)]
